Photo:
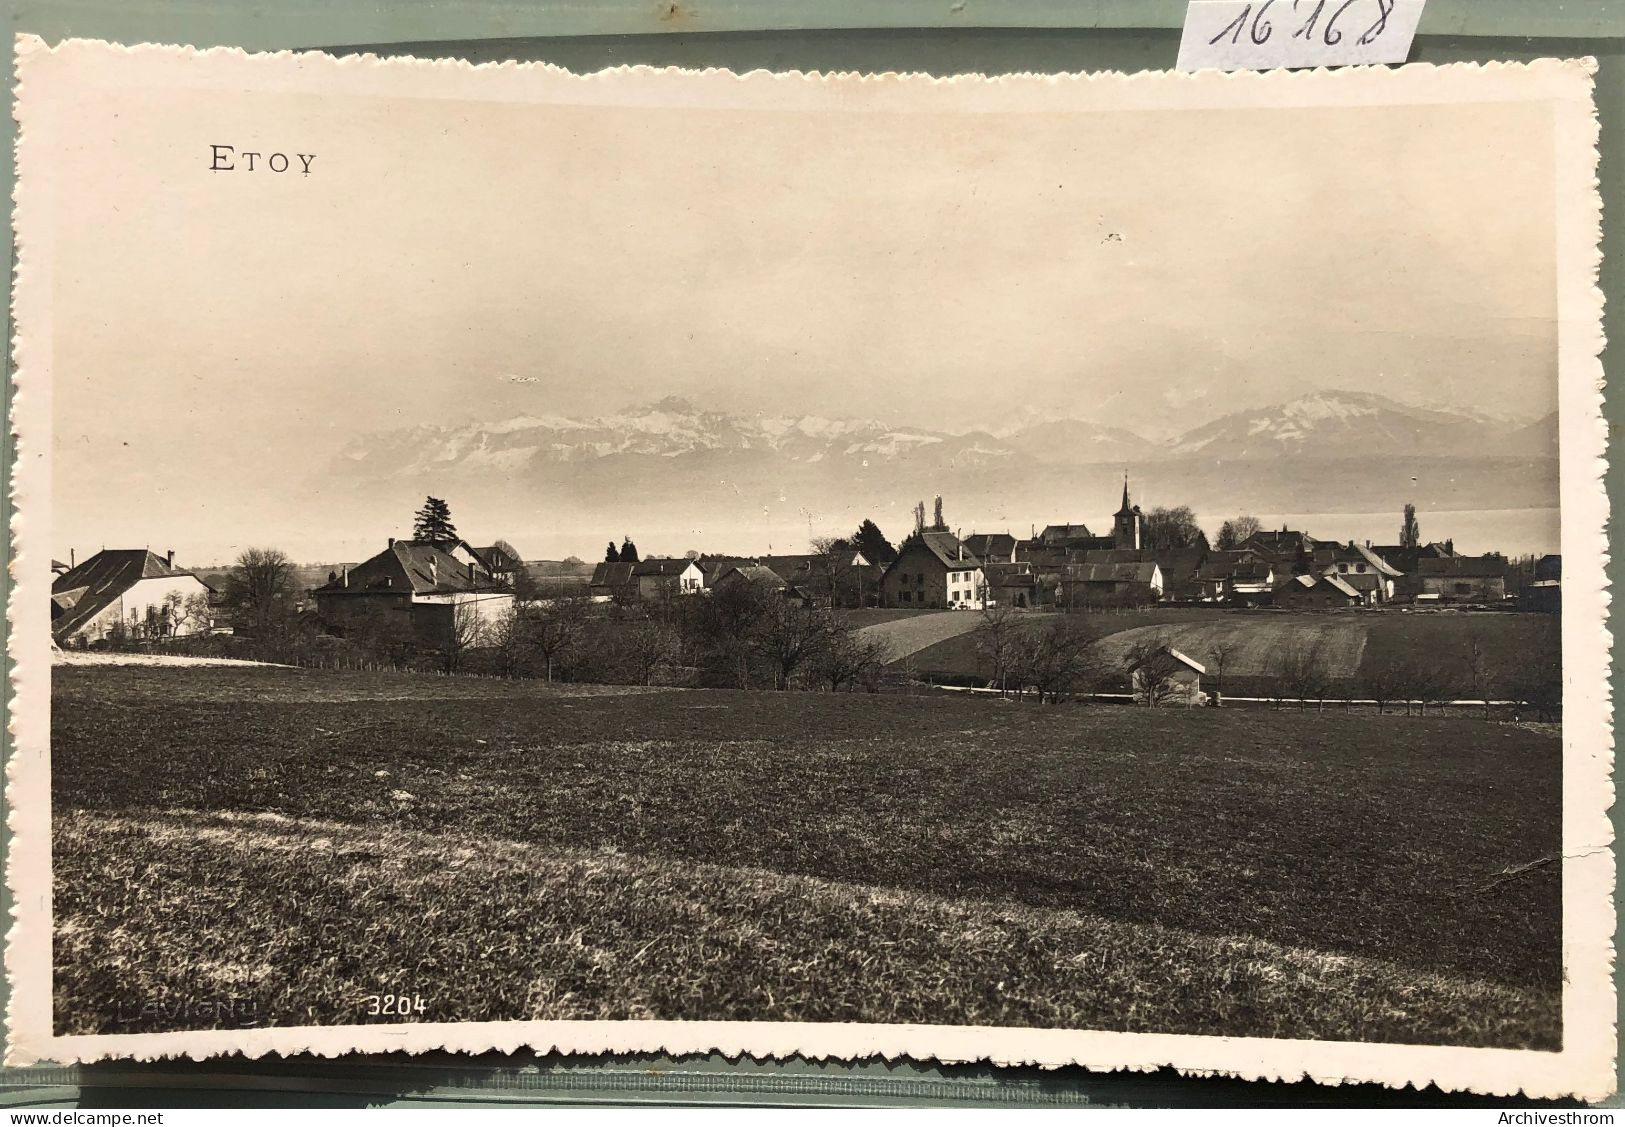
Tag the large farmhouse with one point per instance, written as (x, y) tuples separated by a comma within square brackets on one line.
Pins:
[(935, 572), (127, 590), (1462, 579), (415, 591)]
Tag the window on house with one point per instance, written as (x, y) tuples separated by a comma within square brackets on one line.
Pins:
[(1359, 567), (902, 596), (1464, 588), (1343, 568)]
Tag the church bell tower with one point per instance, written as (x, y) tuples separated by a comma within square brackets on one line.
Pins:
[(1126, 525)]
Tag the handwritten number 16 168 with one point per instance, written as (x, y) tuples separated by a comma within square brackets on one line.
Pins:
[(1322, 21)]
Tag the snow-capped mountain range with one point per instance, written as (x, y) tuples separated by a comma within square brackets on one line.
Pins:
[(1329, 424)]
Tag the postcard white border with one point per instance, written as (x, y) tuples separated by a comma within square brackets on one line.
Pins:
[(1583, 1068)]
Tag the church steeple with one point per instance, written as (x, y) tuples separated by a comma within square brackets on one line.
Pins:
[(1128, 524)]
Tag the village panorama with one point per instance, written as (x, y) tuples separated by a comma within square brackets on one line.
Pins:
[(1130, 733)]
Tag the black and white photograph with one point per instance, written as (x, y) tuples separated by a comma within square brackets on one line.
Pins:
[(796, 554)]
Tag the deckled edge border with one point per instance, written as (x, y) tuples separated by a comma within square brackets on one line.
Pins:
[(1585, 1071)]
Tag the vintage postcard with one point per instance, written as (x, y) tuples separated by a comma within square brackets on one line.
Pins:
[(1100, 569)]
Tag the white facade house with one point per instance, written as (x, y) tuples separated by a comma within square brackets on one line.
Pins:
[(131, 591)]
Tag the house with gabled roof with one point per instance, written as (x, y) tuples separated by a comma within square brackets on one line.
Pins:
[(1241, 576), (1315, 592), (660, 577), (1462, 579), (132, 591), (1360, 567), (415, 591), (613, 582), (1110, 584), (933, 571), (843, 578)]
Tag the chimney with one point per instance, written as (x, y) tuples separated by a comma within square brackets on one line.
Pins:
[(391, 541), (434, 571), (346, 575), (70, 558), (169, 558)]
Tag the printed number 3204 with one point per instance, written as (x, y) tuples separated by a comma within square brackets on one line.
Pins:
[(394, 1005)]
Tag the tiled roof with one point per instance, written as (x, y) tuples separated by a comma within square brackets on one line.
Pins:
[(94, 585), (756, 573), (412, 567), (662, 566), (609, 574), (1112, 573), (1464, 567)]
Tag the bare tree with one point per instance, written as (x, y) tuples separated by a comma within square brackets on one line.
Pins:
[(1152, 671), (832, 557), (1536, 683), (466, 631), (1479, 669), (789, 636), (554, 627), (998, 643), (1219, 655), (261, 590), (1384, 684), (178, 611), (1057, 660), (1422, 682), (1237, 531), (649, 644), (850, 656), (511, 641), (1303, 672)]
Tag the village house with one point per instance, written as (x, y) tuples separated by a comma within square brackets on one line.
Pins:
[(994, 547), (1167, 677), (1241, 577), (1017, 585), (1315, 592), (613, 582), (415, 592), (1360, 567), (934, 572), (502, 564), (130, 591), (762, 578), (845, 578), (1462, 579), (662, 578), (1545, 592), (1289, 551), (1110, 585)]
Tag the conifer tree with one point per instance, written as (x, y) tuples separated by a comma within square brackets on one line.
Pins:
[(629, 551), (611, 555), (433, 522)]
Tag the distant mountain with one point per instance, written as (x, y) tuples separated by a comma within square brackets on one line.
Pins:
[(1076, 442), (671, 428), (1343, 424), (679, 477)]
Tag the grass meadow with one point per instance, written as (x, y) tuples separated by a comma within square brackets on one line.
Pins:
[(1351, 643), (304, 840)]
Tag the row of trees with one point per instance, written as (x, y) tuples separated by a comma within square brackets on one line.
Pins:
[(743, 636)]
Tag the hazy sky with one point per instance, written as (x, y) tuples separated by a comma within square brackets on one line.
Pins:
[(452, 261)]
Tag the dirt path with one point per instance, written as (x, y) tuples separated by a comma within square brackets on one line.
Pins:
[(911, 635)]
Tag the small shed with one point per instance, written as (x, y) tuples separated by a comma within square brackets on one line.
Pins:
[(1167, 677)]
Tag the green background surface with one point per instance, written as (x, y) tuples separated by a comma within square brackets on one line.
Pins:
[(934, 36)]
